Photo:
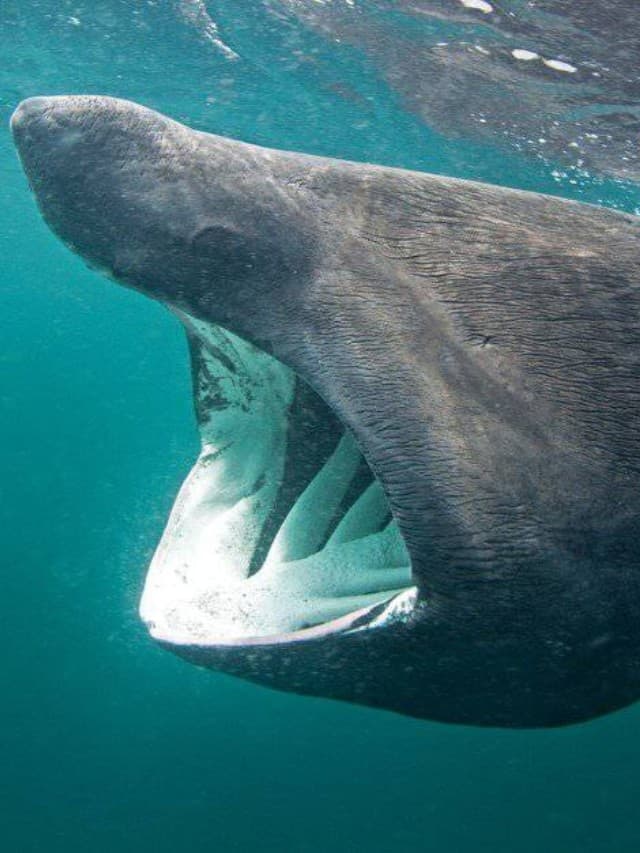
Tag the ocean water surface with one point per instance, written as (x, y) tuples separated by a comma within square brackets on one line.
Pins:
[(108, 743)]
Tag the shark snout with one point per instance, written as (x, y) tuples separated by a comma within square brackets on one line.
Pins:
[(41, 120), (26, 112), (45, 125)]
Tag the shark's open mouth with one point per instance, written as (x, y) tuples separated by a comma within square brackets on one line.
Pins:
[(280, 532)]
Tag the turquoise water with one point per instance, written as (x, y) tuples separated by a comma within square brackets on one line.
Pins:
[(108, 743)]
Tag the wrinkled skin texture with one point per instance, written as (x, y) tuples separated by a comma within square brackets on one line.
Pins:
[(481, 343)]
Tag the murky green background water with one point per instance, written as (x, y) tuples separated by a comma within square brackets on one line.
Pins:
[(106, 742)]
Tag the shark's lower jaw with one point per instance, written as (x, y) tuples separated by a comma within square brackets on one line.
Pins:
[(280, 532)]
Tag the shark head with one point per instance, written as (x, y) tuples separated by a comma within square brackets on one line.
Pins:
[(403, 497)]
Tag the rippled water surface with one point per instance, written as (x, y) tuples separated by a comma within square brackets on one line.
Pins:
[(108, 743)]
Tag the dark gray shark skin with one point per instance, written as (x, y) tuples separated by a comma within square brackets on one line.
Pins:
[(483, 345)]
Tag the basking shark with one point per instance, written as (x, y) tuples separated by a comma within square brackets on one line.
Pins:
[(419, 403)]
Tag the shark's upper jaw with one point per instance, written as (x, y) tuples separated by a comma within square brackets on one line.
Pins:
[(256, 551)]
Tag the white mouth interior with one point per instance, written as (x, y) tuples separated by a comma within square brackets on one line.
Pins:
[(235, 563)]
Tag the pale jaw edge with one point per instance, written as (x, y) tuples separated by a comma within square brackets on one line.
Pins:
[(313, 581)]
